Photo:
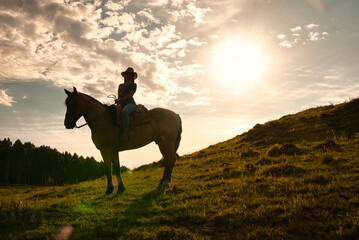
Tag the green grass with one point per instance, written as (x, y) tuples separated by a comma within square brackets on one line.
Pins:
[(231, 190), (214, 196)]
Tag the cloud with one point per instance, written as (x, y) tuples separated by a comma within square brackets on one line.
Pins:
[(127, 23), (311, 26), (189, 12), (190, 90), (326, 85), (89, 43), (285, 44), (315, 36), (111, 21), (295, 35), (197, 13), (160, 37), (200, 101), (177, 49), (157, 3), (331, 77), (188, 70), (280, 36), (149, 73), (148, 16), (85, 43), (116, 6), (5, 99), (296, 29)]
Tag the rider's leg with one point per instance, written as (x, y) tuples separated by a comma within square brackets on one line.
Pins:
[(126, 111)]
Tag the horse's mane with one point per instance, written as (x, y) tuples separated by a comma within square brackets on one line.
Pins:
[(110, 108), (93, 99), (68, 99)]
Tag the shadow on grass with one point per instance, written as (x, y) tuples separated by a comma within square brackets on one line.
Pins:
[(141, 208), (15, 222), (121, 224), (106, 197)]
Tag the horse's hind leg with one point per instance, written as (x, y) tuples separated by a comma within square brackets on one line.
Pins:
[(117, 169), (169, 156)]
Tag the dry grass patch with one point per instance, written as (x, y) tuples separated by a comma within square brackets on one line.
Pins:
[(287, 170), (286, 149)]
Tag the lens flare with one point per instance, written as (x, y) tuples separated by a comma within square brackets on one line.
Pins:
[(64, 233)]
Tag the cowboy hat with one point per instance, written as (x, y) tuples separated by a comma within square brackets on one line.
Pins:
[(129, 71)]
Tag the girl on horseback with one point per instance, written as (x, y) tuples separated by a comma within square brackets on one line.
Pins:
[(126, 91)]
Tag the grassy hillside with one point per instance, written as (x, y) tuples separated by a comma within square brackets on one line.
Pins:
[(293, 178), (316, 124)]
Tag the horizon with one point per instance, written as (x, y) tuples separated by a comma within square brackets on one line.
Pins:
[(223, 67)]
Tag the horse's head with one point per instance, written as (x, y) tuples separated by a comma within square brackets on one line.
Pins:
[(73, 112)]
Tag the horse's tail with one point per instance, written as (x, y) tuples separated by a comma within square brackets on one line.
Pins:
[(178, 139)]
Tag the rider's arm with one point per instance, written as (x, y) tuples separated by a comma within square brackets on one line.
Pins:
[(118, 100), (128, 96), (132, 92)]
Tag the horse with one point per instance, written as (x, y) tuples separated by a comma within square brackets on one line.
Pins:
[(164, 127)]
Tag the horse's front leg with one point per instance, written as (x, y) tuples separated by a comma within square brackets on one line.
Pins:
[(117, 170), (108, 171)]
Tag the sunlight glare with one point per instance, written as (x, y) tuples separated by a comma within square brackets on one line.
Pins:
[(238, 64)]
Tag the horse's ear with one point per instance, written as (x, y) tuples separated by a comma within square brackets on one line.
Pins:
[(75, 91), (67, 92)]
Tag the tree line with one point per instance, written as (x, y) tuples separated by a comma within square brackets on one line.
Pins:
[(26, 164)]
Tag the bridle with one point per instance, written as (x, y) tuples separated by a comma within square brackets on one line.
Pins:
[(109, 96)]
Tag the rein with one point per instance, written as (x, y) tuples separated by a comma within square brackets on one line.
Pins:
[(90, 121), (81, 125)]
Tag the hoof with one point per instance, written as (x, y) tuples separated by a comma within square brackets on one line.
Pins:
[(119, 191), (164, 185), (109, 190)]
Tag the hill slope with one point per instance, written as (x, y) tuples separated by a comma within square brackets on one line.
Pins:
[(293, 178), (328, 122)]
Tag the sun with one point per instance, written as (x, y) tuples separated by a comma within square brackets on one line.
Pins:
[(238, 64)]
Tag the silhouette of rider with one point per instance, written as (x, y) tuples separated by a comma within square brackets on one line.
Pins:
[(126, 91)]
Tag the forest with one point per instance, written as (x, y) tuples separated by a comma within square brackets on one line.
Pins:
[(24, 163)]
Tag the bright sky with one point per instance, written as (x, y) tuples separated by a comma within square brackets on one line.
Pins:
[(222, 65)]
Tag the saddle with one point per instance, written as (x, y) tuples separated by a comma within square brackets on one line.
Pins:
[(138, 117)]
